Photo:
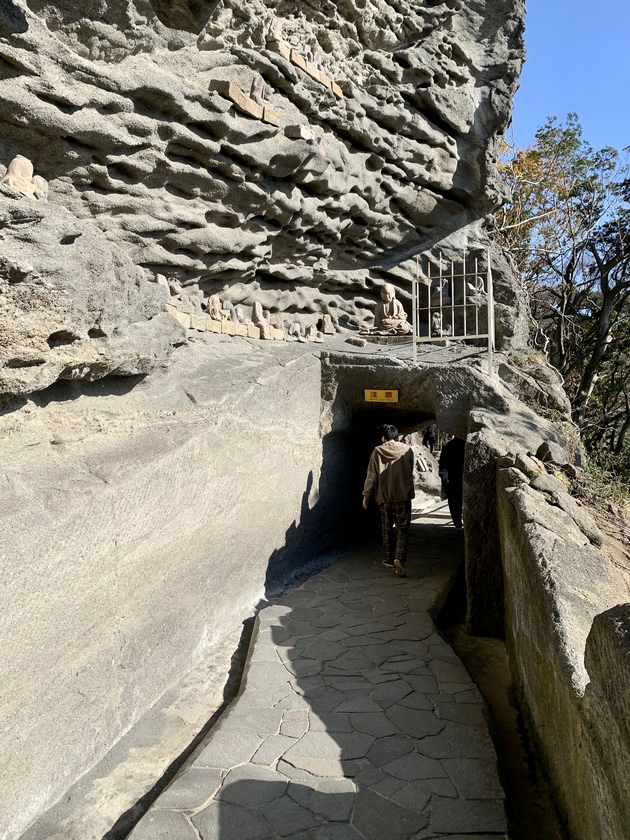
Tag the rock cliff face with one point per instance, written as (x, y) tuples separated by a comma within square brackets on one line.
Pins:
[(121, 107), (137, 114), (73, 305)]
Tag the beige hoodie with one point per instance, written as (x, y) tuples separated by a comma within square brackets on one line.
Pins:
[(390, 473)]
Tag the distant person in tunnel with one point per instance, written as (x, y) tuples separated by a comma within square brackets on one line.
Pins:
[(428, 438), (452, 475), (390, 479)]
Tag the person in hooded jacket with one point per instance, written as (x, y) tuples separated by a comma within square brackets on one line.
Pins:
[(390, 480), (452, 475)]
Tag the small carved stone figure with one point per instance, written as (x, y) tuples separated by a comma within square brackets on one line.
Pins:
[(162, 282), (438, 330), (305, 51), (318, 61), (215, 309), (231, 314), (260, 321), (19, 177), (275, 321), (294, 333), (175, 287), (276, 34), (258, 91), (326, 325), (258, 314), (312, 334), (196, 298), (240, 315), (477, 293), (442, 293), (40, 190), (390, 317), (178, 297)]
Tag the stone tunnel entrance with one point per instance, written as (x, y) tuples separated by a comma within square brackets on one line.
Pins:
[(448, 394), (464, 402), (361, 437)]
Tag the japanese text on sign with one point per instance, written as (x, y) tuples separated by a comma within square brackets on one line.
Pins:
[(381, 396)]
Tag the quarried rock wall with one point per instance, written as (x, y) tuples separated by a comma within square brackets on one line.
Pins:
[(607, 711), (566, 622), (140, 521), (72, 304)]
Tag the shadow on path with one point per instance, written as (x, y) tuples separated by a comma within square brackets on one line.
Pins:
[(355, 718)]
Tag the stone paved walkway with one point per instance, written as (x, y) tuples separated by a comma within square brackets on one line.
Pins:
[(355, 720)]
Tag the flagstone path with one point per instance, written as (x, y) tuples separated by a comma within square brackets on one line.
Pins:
[(355, 718)]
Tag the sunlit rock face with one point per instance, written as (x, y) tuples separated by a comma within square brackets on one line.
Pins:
[(117, 104)]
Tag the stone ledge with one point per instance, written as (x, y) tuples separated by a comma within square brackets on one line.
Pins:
[(387, 339), (281, 47), (298, 60), (241, 101), (271, 117), (314, 72), (198, 322)]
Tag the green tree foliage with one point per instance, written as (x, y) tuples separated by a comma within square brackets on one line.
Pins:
[(567, 227)]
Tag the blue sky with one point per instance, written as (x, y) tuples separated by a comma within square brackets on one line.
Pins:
[(577, 60)]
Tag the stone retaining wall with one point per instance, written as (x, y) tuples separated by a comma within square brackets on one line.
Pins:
[(561, 594)]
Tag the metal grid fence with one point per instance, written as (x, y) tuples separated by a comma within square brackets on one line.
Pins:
[(452, 300)]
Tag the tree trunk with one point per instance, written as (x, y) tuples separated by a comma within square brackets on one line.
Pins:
[(624, 430), (589, 377)]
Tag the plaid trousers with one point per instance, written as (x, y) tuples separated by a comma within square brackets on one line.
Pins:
[(396, 514)]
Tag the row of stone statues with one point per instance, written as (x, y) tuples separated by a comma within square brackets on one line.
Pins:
[(390, 318), (258, 103), (313, 56), (267, 325), (19, 178)]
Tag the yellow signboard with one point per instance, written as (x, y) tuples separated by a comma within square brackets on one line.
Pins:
[(381, 396)]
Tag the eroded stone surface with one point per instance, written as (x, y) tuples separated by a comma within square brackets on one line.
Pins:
[(73, 305), (311, 212)]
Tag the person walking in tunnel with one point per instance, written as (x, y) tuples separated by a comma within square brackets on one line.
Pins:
[(390, 479), (428, 438), (452, 475)]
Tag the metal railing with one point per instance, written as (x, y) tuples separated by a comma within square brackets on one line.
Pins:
[(452, 300)]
